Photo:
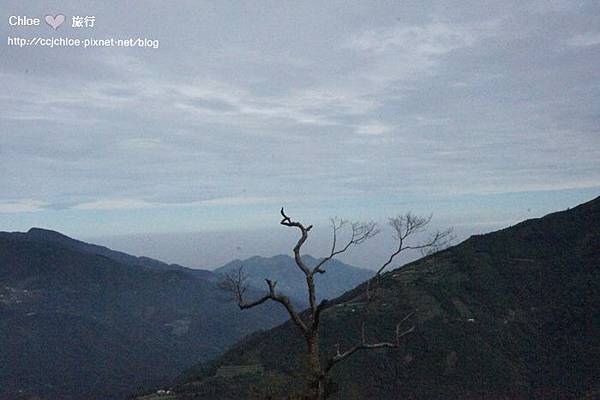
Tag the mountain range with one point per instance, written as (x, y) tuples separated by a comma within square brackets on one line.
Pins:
[(511, 314), (290, 280), (83, 321)]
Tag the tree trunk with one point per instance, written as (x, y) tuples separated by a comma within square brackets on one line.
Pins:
[(317, 376)]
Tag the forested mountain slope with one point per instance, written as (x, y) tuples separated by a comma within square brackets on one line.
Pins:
[(510, 314), (75, 324)]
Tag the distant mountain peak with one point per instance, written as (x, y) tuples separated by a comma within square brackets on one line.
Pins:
[(50, 236), (43, 233), (73, 314), (339, 278), (35, 229)]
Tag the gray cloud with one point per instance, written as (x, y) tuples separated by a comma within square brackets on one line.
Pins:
[(263, 102)]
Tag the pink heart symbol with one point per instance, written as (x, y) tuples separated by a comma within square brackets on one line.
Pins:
[(55, 21)]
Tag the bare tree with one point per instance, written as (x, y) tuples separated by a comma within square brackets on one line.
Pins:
[(404, 228)]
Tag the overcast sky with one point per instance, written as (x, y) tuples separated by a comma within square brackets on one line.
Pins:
[(482, 113)]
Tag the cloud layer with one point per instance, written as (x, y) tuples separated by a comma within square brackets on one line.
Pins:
[(341, 104)]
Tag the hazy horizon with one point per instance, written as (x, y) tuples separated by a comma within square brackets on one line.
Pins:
[(482, 114), (212, 249)]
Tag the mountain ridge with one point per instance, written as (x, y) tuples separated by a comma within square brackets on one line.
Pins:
[(95, 328), (52, 236), (339, 278), (509, 314)]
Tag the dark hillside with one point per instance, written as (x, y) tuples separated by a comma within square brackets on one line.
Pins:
[(510, 314), (77, 325), (57, 238)]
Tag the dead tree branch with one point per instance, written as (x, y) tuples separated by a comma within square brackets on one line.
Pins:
[(236, 283), (403, 227), (340, 356), (407, 225), (360, 232), (304, 235)]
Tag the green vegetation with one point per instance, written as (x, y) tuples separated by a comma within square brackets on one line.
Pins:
[(510, 314), (75, 324)]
